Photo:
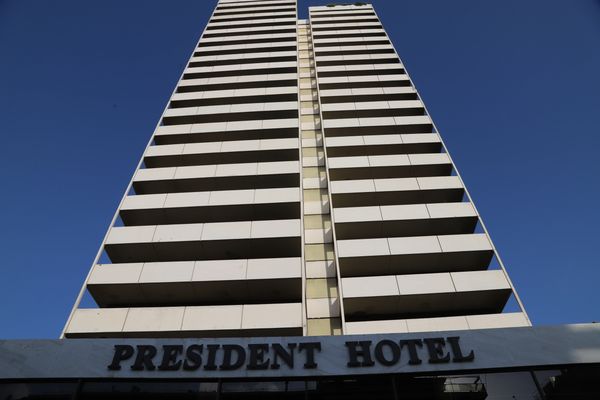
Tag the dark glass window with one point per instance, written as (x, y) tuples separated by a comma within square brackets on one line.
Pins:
[(117, 390), (26, 390), (570, 383), (573, 383), (498, 386), (374, 387), (262, 390)]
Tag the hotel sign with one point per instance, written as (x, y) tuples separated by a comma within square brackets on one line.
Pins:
[(272, 356), (297, 357)]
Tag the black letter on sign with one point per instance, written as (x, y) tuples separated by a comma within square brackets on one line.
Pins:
[(288, 358), (380, 355), (193, 357), (364, 353), (310, 348), (227, 351), (257, 356), (412, 344), (212, 355), (457, 352), (435, 347), (122, 352), (169, 360), (143, 360)]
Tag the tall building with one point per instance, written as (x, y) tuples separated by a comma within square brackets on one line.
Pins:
[(297, 230), (295, 185)]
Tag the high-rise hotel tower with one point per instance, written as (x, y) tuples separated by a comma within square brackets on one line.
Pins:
[(296, 230), (295, 186)]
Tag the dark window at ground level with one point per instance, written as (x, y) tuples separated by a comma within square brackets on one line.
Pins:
[(579, 382)]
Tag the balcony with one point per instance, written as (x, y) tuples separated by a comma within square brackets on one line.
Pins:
[(433, 295), (456, 323), (192, 283), (414, 254), (217, 206), (346, 146), (257, 175), (194, 321), (389, 166), (240, 151), (404, 220), (370, 192), (209, 241)]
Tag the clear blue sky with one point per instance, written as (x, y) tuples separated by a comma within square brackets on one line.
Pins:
[(513, 85)]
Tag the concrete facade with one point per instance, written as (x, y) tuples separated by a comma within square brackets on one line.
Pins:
[(295, 186)]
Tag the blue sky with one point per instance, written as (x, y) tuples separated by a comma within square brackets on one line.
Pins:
[(513, 85)]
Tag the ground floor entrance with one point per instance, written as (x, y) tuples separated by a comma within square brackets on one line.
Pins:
[(573, 382)]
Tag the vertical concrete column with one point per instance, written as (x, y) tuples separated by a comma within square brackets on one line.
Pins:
[(322, 295)]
